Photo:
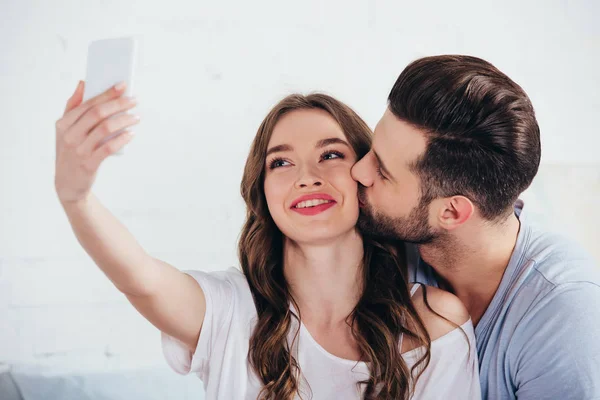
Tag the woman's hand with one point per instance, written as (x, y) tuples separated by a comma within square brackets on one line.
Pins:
[(82, 139)]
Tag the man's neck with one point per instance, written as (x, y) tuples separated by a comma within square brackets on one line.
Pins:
[(471, 263)]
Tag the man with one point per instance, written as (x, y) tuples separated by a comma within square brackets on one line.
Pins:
[(457, 145)]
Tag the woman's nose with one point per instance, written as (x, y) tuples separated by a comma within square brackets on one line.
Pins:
[(308, 178)]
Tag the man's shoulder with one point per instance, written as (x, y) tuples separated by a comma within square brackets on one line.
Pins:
[(567, 312), (562, 284), (559, 259)]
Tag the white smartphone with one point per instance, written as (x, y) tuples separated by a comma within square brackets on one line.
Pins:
[(110, 61)]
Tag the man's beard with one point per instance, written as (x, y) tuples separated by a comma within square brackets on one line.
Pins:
[(413, 229)]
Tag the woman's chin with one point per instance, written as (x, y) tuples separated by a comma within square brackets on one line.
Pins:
[(322, 235)]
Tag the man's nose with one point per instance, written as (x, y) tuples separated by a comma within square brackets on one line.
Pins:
[(360, 172)]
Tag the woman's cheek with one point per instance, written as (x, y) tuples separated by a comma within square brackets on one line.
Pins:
[(276, 186), (341, 176)]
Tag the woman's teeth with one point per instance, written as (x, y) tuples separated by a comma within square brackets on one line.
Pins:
[(311, 203)]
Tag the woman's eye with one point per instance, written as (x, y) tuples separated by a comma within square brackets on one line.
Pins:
[(277, 163), (330, 155)]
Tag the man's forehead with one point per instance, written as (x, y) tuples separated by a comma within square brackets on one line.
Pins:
[(398, 142)]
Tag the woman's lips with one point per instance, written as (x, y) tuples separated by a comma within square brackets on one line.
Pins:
[(313, 203), (314, 210)]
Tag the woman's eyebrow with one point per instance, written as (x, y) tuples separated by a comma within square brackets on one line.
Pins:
[(333, 140), (279, 148)]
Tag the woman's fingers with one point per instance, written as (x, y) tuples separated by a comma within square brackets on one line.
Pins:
[(72, 116), (100, 115), (107, 128), (76, 98), (85, 136), (109, 148)]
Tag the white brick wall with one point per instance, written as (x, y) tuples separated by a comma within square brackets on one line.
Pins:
[(208, 73)]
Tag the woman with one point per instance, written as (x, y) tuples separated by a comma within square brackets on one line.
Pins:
[(319, 311)]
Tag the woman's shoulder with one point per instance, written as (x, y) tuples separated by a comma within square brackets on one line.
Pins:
[(440, 311), (224, 286), (230, 275)]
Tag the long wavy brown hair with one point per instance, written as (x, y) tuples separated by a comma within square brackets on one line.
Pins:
[(384, 311)]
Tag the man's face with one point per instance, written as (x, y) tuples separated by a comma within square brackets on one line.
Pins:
[(389, 191)]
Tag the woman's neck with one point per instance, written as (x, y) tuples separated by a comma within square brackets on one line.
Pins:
[(325, 279)]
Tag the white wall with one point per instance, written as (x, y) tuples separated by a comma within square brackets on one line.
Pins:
[(208, 73)]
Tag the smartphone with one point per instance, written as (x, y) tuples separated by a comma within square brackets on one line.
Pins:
[(110, 61)]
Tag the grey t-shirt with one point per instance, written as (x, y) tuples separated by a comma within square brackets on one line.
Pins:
[(540, 336)]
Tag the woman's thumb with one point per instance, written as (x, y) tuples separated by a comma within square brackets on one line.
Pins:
[(76, 98)]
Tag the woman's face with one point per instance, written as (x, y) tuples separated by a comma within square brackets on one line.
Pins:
[(308, 186)]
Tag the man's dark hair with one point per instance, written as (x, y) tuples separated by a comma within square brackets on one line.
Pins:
[(483, 140)]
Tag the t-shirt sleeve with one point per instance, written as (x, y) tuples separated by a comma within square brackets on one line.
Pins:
[(555, 353), (219, 293)]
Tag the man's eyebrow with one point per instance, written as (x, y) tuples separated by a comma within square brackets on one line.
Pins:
[(383, 167), (278, 148)]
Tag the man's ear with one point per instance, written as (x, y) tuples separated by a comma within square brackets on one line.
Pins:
[(454, 211)]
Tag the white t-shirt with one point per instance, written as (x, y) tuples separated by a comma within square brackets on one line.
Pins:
[(221, 357)]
